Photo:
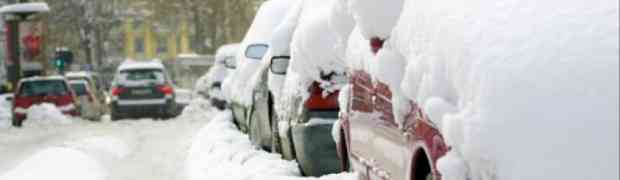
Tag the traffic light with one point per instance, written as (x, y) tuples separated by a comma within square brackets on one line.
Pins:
[(63, 58)]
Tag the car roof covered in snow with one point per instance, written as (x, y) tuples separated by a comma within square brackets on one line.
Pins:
[(79, 74), (226, 51), (78, 82), (42, 78), (130, 64)]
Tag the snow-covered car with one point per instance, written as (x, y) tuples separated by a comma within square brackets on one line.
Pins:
[(142, 89), (251, 51), (93, 79), (210, 84), (482, 96), (182, 97), (91, 107), (37, 90), (294, 107)]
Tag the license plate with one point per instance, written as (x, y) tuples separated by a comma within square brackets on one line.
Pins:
[(141, 92)]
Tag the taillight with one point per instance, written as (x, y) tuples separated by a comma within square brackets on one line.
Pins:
[(316, 101), (19, 101), (166, 89), (118, 90), (376, 44)]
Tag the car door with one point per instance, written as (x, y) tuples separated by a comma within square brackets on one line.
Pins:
[(360, 121), (389, 145)]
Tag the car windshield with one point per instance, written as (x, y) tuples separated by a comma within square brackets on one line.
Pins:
[(43, 88), (141, 77), (79, 89), (256, 51)]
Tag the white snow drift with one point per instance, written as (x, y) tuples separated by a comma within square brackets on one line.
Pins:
[(220, 151)]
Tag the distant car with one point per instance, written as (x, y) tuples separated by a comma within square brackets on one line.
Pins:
[(92, 107), (210, 85), (142, 89), (37, 90), (183, 98), (93, 79)]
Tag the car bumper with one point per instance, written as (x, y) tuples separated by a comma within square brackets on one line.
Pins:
[(315, 148), (137, 111)]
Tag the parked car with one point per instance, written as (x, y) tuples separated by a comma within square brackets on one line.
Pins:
[(210, 85), (99, 89), (293, 111), (252, 49), (92, 108), (37, 90), (383, 134), (142, 89)]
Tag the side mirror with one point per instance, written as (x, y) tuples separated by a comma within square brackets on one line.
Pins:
[(8, 98), (230, 63), (279, 64)]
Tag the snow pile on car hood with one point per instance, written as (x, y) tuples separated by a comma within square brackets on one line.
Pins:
[(58, 163), (524, 89), (44, 114), (376, 18), (220, 151)]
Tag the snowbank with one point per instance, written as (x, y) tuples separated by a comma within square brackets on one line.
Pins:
[(5, 111), (45, 114), (220, 151), (520, 89), (57, 163)]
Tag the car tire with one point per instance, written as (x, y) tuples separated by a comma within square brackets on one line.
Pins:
[(16, 123), (114, 117), (275, 136)]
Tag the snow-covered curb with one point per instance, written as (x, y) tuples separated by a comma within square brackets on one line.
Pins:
[(220, 151)]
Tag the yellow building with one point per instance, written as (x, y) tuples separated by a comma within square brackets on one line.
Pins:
[(144, 41)]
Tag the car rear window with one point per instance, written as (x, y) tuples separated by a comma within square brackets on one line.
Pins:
[(141, 76), (79, 89), (43, 88)]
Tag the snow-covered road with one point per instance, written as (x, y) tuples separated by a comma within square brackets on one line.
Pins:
[(200, 144), (129, 150)]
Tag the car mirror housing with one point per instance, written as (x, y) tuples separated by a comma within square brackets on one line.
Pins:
[(279, 64), (230, 63)]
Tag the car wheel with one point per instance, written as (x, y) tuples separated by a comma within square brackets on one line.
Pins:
[(16, 123), (275, 137), (114, 117)]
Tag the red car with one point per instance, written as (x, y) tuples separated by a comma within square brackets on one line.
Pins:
[(37, 90), (371, 140)]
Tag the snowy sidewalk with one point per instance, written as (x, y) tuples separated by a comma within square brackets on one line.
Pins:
[(222, 152)]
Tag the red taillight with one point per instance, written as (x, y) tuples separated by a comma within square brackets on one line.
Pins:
[(166, 89), (117, 91), (19, 101), (376, 44), (316, 101)]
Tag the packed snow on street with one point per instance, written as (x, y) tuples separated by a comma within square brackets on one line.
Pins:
[(202, 143)]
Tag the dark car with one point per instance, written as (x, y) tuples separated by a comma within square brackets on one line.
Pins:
[(142, 89), (37, 90)]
